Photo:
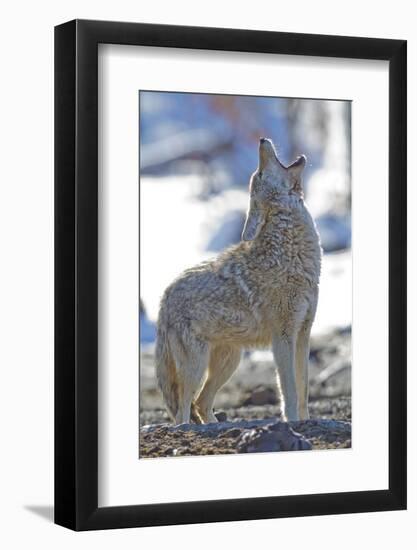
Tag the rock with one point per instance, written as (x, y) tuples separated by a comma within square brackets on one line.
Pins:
[(325, 433), (208, 430), (233, 432), (243, 436), (330, 364), (272, 438), (221, 416), (261, 396)]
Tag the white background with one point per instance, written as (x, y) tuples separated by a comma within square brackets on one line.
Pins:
[(122, 478), (26, 301)]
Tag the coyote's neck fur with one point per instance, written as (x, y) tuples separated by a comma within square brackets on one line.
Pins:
[(289, 242), (287, 249)]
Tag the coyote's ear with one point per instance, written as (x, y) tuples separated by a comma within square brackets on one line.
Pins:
[(255, 219), (295, 171)]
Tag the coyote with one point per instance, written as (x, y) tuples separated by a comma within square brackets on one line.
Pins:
[(260, 292)]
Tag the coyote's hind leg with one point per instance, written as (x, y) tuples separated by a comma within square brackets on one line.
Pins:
[(223, 362), (191, 363)]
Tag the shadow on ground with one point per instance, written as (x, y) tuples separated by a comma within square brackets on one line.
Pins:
[(45, 512)]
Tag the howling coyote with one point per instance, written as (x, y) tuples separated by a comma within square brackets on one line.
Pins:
[(260, 292)]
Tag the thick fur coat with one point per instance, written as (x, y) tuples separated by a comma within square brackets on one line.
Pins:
[(261, 292)]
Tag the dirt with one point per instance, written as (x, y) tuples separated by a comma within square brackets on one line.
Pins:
[(248, 407), (181, 441)]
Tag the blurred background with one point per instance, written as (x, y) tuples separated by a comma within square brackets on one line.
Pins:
[(197, 153)]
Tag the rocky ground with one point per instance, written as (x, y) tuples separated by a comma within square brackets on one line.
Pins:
[(249, 412)]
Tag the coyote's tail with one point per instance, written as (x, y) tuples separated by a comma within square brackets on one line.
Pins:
[(165, 370)]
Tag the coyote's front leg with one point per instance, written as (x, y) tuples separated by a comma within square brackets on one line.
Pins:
[(301, 367), (283, 348)]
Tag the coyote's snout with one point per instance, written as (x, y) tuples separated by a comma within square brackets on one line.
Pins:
[(258, 293)]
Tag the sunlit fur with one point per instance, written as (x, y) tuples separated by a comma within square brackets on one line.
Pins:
[(262, 292)]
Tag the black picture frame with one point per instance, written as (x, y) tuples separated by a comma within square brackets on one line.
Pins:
[(76, 272)]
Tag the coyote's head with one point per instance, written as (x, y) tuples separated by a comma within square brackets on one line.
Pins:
[(272, 186)]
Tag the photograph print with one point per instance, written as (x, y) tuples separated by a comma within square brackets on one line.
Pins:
[(245, 274)]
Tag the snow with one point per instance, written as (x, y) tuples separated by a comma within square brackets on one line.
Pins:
[(176, 228)]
